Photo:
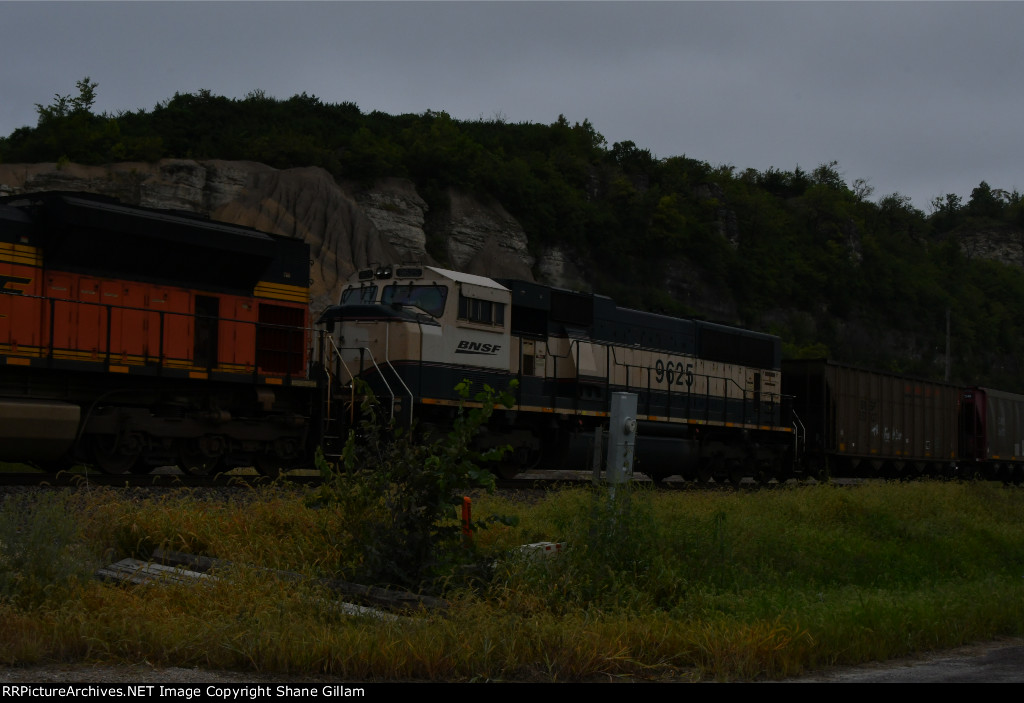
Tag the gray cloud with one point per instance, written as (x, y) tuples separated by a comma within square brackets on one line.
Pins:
[(916, 97)]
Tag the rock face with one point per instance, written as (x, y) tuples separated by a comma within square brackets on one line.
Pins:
[(347, 228), (996, 244), (557, 267), (485, 240), (399, 213)]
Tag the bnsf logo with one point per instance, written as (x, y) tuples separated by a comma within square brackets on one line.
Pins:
[(477, 348), (7, 284)]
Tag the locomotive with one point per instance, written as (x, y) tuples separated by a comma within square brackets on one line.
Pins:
[(709, 396), (132, 338)]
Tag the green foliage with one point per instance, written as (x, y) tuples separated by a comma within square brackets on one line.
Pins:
[(400, 492), (64, 105), (614, 558), (40, 556), (676, 585)]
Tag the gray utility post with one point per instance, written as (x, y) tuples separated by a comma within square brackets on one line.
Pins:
[(621, 438)]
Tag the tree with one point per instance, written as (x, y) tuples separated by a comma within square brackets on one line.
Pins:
[(984, 202), (862, 190), (64, 105), (86, 95), (631, 159), (948, 205), (947, 212), (828, 175)]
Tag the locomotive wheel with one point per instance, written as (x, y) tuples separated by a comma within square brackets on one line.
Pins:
[(116, 454), (268, 464), (200, 457), (277, 458), (508, 470)]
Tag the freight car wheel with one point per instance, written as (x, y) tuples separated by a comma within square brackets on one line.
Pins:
[(116, 454), (705, 472), (735, 472)]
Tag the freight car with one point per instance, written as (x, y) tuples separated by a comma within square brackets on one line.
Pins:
[(867, 423), (992, 434), (132, 337), (709, 396)]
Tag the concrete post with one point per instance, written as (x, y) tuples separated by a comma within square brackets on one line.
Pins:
[(621, 437)]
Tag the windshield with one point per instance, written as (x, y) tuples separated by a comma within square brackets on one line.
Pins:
[(429, 299), (357, 296)]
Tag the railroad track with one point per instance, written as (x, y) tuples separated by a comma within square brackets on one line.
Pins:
[(168, 477), (172, 477)]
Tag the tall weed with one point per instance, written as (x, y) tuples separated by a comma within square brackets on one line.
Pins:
[(41, 554), (399, 493), (614, 557)]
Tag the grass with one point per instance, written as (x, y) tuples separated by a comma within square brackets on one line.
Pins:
[(658, 586)]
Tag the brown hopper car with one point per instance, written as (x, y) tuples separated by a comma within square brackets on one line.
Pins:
[(861, 422)]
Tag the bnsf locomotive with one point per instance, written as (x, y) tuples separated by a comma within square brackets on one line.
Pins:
[(132, 338), (709, 396)]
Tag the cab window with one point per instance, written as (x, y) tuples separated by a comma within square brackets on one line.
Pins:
[(429, 299), (359, 296), (481, 311)]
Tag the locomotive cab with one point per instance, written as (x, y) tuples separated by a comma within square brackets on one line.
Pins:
[(415, 332)]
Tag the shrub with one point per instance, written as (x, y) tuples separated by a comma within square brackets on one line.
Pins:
[(398, 491)]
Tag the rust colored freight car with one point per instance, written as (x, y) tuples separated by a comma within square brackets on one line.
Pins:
[(866, 423), (133, 337), (992, 433)]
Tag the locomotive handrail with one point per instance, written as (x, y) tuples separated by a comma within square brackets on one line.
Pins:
[(799, 436), (330, 375), (383, 378), (771, 398), (387, 360), (107, 353)]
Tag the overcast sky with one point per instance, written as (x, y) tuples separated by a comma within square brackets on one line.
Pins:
[(920, 98)]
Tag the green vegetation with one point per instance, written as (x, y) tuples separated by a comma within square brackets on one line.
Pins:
[(398, 490), (803, 254), (676, 585)]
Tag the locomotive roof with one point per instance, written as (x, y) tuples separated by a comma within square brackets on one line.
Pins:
[(469, 278), (97, 234), (102, 212)]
